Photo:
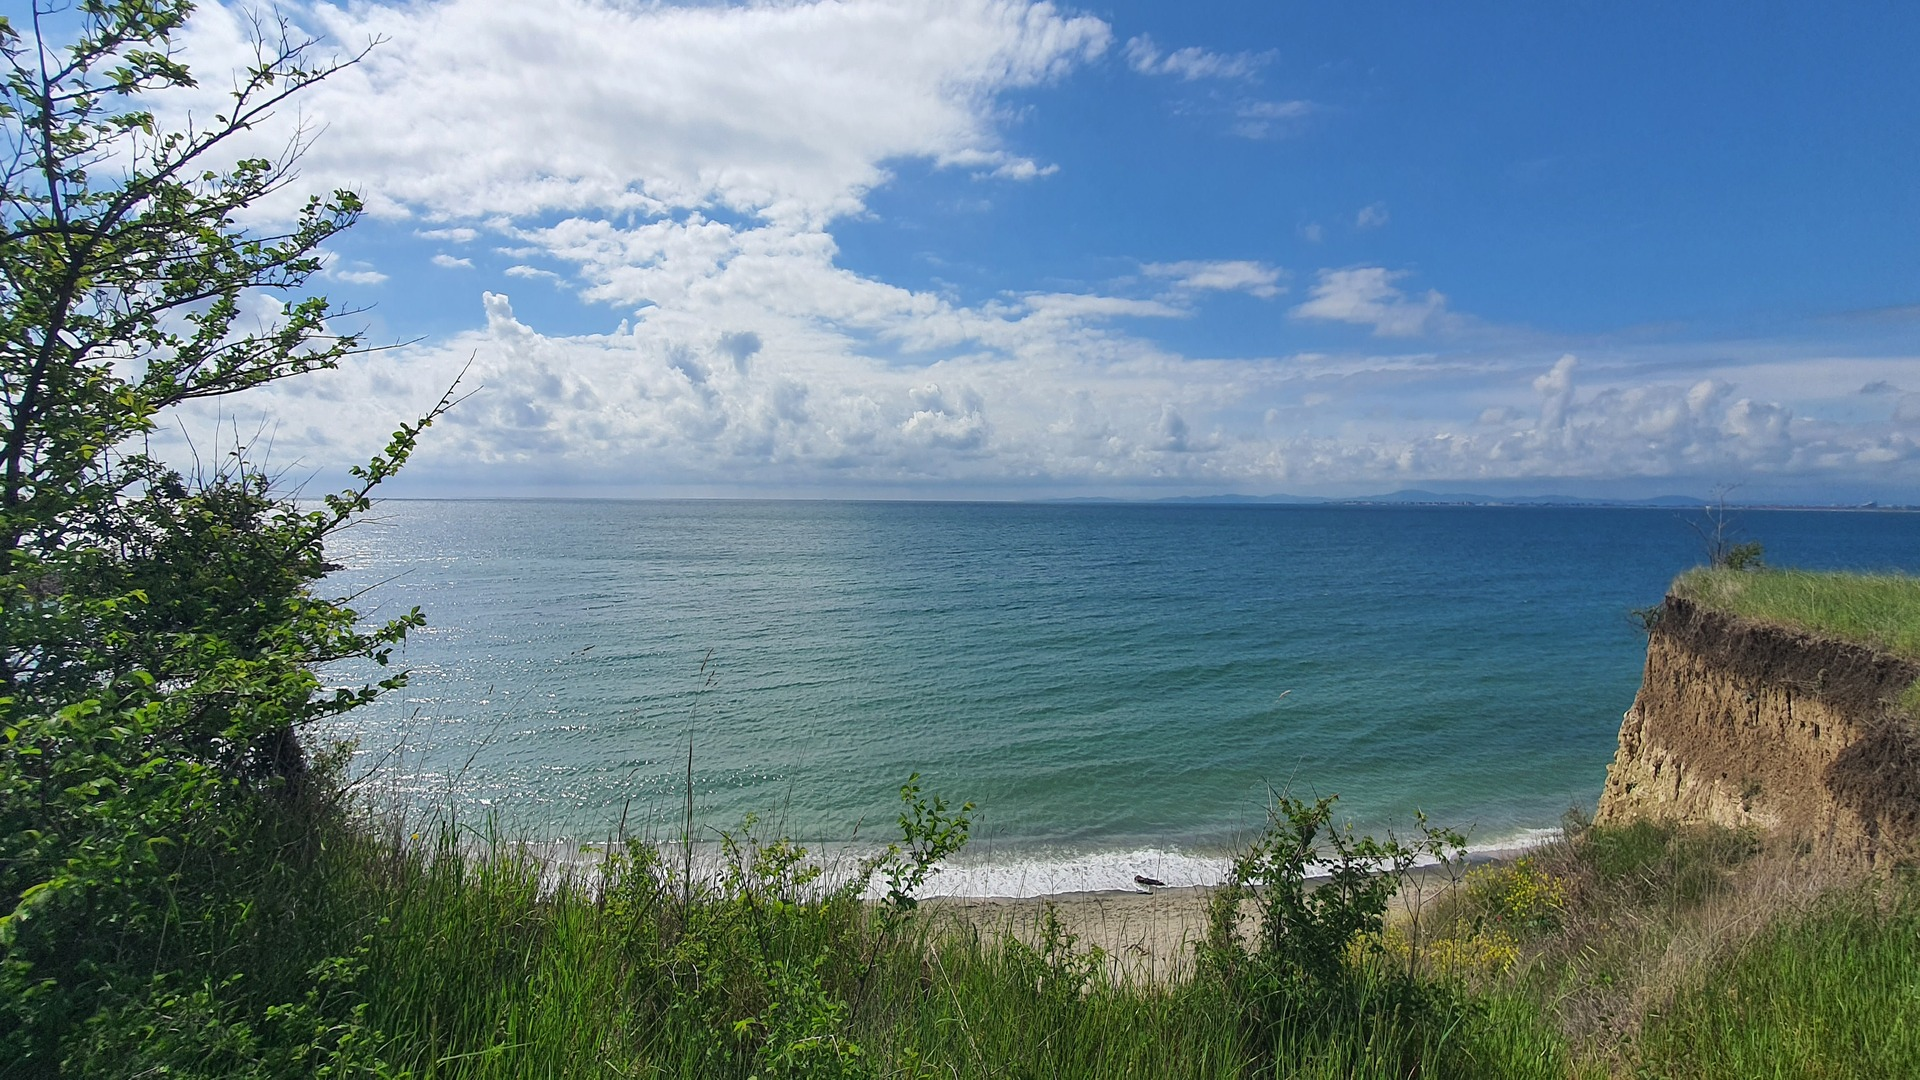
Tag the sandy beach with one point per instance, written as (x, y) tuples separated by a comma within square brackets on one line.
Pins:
[(1149, 934)]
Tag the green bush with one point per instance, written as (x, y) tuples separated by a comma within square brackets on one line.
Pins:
[(159, 633)]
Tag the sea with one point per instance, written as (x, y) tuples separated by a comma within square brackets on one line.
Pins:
[(1117, 689)]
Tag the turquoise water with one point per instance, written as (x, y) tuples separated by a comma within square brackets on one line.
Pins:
[(1115, 686)]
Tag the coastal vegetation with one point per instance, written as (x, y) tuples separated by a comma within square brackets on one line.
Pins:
[(1880, 611), (328, 948), (1877, 610), (189, 890)]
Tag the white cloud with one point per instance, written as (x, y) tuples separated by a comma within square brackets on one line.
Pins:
[(1224, 275), (948, 419), (1063, 307), (1192, 63), (449, 262), (1656, 429), (689, 166), (998, 164), (355, 272), (1366, 296), (457, 235), (1556, 396), (1372, 216), (784, 111), (1040, 394), (1266, 119), (1313, 232)]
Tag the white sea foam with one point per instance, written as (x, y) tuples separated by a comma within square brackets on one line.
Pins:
[(998, 874), (1048, 874)]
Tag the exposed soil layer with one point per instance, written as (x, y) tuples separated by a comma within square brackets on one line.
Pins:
[(1745, 723)]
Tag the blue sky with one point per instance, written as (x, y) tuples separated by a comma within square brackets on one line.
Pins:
[(993, 249)]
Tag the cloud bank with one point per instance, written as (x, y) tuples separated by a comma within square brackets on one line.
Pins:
[(687, 168)]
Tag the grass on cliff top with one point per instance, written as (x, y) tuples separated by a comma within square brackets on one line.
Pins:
[(1880, 610)]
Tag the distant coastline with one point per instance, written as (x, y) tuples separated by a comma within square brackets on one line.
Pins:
[(1429, 498), (1412, 498)]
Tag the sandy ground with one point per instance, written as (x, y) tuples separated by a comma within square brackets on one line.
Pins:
[(1149, 935)]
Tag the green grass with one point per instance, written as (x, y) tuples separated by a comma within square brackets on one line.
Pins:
[(477, 972), (1777, 985), (1832, 993), (1880, 610), (338, 952)]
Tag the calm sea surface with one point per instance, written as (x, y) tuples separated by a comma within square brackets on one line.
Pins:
[(1116, 686)]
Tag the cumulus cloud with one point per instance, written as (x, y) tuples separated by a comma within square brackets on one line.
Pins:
[(685, 162), (785, 111), (1171, 431), (1556, 392), (1192, 63), (689, 166), (952, 418), (1367, 296), (655, 406), (1628, 428), (1371, 216), (449, 262), (649, 405)]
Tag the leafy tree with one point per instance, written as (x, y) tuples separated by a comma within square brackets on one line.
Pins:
[(159, 633)]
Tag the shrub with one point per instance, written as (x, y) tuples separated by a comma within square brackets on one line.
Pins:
[(158, 632), (1311, 935)]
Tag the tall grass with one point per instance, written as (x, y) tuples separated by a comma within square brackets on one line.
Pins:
[(1880, 610), (475, 967), (337, 951), (479, 967), (1834, 992), (1660, 950)]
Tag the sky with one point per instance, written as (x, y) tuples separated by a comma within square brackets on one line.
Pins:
[(1003, 250)]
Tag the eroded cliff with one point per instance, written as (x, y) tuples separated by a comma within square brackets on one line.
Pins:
[(1744, 723)]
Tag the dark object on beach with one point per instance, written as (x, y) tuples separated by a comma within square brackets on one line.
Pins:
[(1141, 879)]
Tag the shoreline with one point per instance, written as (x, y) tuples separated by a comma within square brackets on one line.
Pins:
[(1042, 874), (1033, 878), (1149, 934)]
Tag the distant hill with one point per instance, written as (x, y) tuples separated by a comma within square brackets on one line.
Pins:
[(1465, 499), (1289, 500), (1418, 497)]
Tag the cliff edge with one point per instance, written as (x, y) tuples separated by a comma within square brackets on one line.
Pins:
[(1744, 723)]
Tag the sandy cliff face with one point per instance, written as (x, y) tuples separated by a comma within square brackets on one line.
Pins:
[(1741, 723)]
